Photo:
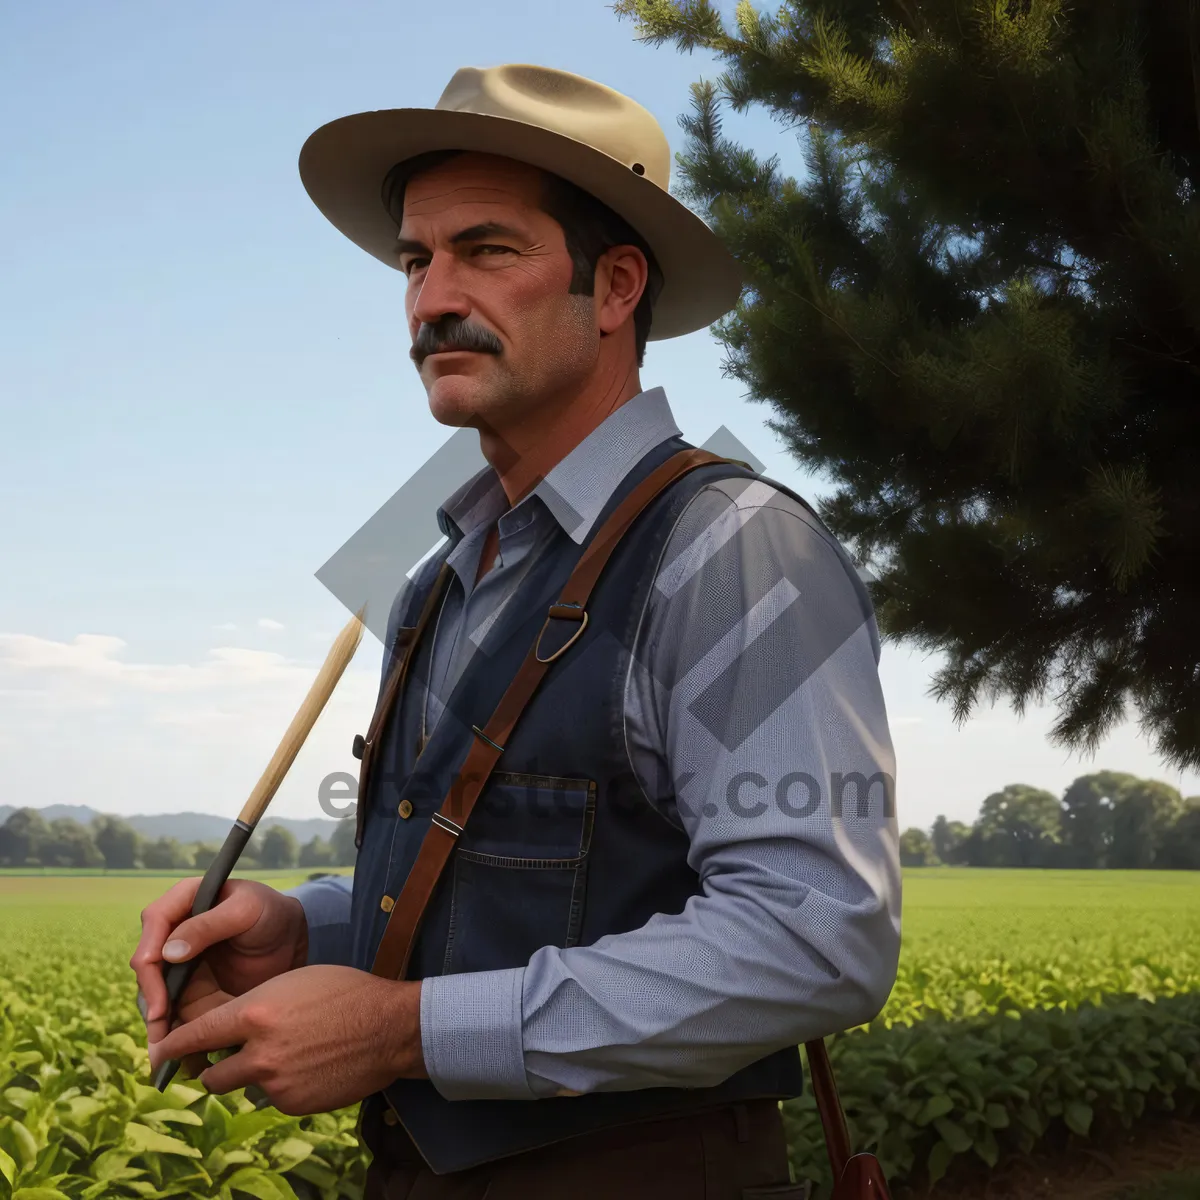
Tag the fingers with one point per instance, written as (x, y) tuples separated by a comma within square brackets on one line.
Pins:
[(201, 994), (221, 1026), (236, 1071), (158, 919), (196, 1004)]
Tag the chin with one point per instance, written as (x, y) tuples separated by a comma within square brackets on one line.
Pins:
[(456, 399)]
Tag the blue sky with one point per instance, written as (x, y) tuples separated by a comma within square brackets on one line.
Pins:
[(205, 389)]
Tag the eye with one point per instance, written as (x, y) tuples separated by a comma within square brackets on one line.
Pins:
[(500, 249), (407, 268)]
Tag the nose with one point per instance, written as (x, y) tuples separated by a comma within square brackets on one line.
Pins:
[(437, 294)]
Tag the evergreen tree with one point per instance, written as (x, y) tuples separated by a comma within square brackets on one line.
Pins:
[(978, 314)]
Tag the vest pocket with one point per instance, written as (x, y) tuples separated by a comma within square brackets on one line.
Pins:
[(520, 871)]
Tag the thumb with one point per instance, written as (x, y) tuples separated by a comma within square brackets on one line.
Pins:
[(236, 914)]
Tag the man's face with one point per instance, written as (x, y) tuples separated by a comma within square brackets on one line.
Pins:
[(496, 335)]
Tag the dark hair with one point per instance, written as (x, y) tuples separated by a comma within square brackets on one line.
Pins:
[(589, 228)]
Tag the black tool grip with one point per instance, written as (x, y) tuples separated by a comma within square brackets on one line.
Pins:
[(177, 975)]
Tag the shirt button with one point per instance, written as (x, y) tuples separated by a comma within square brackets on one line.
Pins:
[(390, 1118), (387, 904), (405, 809)]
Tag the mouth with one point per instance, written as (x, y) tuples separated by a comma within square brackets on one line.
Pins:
[(437, 357)]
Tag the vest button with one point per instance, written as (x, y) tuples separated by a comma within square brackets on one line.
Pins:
[(387, 904), (358, 746), (390, 1118), (405, 809)]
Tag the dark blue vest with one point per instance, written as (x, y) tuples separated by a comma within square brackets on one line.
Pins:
[(562, 846)]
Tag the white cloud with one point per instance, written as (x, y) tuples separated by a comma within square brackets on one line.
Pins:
[(133, 736), (268, 623), (96, 661)]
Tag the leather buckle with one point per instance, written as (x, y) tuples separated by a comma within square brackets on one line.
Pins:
[(563, 611)]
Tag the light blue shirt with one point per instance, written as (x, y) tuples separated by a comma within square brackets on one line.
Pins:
[(755, 719)]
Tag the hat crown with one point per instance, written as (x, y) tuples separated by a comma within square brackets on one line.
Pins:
[(566, 104)]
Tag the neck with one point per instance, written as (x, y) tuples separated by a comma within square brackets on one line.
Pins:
[(523, 454)]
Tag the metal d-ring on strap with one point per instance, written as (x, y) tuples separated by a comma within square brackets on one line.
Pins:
[(564, 610), (404, 921)]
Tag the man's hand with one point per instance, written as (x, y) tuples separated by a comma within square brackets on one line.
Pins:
[(252, 934), (315, 1040)]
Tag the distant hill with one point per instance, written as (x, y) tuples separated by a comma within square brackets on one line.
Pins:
[(184, 827)]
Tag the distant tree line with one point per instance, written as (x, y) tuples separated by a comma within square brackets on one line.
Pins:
[(108, 843), (1106, 819)]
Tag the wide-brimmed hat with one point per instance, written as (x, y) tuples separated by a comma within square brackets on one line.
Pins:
[(599, 139)]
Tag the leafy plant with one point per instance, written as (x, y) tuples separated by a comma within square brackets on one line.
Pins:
[(925, 1094), (1026, 1002)]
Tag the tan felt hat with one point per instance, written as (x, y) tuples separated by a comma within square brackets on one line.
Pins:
[(597, 138)]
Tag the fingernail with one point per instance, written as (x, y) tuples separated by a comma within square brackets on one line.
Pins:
[(142, 1006), (176, 949)]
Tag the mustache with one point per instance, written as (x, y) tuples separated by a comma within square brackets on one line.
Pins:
[(453, 333)]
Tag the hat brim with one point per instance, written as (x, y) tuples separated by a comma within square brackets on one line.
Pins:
[(343, 164)]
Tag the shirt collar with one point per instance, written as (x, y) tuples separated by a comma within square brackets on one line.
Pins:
[(578, 487)]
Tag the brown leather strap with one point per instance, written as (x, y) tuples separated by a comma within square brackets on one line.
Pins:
[(395, 948), (829, 1106), (406, 642)]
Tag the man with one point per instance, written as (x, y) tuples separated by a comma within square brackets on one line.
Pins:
[(681, 858)]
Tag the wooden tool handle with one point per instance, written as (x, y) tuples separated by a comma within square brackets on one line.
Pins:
[(177, 975), (336, 662)]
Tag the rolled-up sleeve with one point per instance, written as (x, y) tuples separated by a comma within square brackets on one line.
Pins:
[(326, 904)]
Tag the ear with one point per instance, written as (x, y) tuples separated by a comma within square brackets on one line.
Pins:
[(621, 277)]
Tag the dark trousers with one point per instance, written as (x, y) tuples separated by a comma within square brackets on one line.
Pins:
[(736, 1152)]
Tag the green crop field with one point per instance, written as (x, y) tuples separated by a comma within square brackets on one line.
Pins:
[(1026, 1001), (979, 941)]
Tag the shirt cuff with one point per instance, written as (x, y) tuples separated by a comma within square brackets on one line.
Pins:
[(326, 904), (471, 1035)]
